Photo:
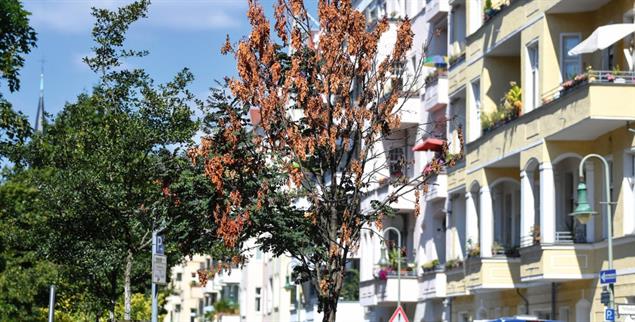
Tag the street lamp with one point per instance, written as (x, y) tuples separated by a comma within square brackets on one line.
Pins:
[(583, 211), (383, 260)]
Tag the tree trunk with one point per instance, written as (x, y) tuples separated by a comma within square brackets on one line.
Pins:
[(330, 303), (126, 287), (111, 314)]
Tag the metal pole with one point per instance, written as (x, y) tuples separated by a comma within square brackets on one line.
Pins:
[(52, 303), (297, 298), (609, 217), (155, 291)]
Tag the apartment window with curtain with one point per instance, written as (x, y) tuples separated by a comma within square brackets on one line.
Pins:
[(571, 65), (475, 111), (532, 72)]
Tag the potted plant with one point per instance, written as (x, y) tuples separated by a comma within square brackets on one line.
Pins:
[(453, 263), (430, 266), (535, 234), (473, 249)]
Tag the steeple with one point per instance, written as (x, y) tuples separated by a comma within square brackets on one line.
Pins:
[(39, 117)]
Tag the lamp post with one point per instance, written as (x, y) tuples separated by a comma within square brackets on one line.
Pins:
[(583, 211), (383, 261)]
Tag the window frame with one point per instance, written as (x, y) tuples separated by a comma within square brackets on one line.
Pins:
[(565, 57)]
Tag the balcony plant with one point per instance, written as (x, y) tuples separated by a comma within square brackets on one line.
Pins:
[(509, 108), (433, 77), (473, 249), (535, 234), (430, 266), (490, 11), (456, 58), (453, 264)]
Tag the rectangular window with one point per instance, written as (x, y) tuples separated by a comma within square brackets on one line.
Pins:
[(192, 315), (532, 90), (571, 65), (179, 277), (396, 161), (258, 291), (475, 111)]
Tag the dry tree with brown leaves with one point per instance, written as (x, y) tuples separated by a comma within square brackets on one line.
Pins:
[(322, 98)]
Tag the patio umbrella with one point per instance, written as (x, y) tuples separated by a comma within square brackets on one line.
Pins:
[(435, 61), (603, 37)]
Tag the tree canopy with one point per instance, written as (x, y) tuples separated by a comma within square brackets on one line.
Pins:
[(322, 99)]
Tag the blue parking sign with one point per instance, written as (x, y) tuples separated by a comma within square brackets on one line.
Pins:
[(160, 249), (609, 314)]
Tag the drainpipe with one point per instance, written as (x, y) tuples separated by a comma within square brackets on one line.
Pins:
[(554, 289)]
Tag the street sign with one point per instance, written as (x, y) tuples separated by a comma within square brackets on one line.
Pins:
[(605, 297), (608, 276), (626, 309), (159, 269), (399, 315), (609, 314), (160, 248)]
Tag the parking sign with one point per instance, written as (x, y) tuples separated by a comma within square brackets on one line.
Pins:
[(609, 314)]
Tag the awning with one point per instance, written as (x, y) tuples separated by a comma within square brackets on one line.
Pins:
[(603, 37), (429, 144)]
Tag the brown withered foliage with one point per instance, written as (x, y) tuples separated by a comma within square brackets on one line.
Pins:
[(324, 96)]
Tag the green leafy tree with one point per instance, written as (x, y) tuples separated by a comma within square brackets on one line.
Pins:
[(24, 276), (112, 156), (17, 38)]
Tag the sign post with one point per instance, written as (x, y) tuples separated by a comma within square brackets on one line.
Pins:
[(159, 271)]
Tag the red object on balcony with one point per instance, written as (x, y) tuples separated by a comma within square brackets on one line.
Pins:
[(429, 144)]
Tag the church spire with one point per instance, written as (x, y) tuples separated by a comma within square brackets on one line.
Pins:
[(39, 117)]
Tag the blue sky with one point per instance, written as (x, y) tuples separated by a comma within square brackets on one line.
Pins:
[(178, 33)]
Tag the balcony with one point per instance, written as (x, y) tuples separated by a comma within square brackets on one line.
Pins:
[(408, 106), (455, 279), (436, 95), (437, 187), (384, 291), (432, 285), (503, 20), (491, 273), (578, 113), (553, 263), (435, 9)]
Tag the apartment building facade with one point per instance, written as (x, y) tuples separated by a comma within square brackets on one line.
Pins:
[(494, 237), (190, 301)]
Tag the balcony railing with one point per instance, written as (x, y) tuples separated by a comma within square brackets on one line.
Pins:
[(591, 76)]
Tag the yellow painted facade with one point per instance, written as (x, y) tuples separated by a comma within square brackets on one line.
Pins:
[(557, 279)]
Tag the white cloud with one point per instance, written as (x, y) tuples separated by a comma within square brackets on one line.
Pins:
[(73, 16)]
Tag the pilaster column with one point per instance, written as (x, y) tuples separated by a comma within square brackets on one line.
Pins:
[(487, 222), (471, 219), (527, 210), (547, 204)]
